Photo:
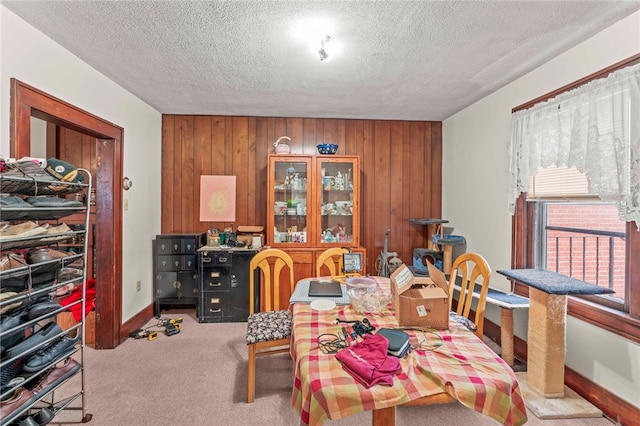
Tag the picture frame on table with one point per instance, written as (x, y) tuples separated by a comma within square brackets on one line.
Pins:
[(351, 263)]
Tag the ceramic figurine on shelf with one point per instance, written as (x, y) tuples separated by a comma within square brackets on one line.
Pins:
[(328, 236), (339, 182), (342, 233)]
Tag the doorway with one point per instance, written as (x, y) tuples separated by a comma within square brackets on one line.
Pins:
[(27, 102)]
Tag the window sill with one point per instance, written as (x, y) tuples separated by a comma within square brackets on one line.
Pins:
[(612, 320)]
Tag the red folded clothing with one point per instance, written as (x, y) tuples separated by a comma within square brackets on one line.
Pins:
[(368, 362), (90, 300)]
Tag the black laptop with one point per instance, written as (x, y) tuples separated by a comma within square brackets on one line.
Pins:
[(325, 289)]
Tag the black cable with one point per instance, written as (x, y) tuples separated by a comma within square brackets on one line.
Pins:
[(330, 343)]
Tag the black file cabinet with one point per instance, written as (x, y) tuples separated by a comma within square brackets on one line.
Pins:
[(224, 284), (176, 269)]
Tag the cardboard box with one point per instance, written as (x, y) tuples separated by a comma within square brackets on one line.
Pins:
[(246, 234), (420, 301)]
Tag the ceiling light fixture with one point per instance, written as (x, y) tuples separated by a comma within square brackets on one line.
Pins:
[(322, 52)]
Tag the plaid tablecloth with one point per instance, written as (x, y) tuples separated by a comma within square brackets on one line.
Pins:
[(322, 390)]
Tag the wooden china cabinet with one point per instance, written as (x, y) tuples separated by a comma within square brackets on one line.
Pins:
[(313, 204)]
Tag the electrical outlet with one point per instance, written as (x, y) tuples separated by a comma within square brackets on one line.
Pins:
[(138, 285)]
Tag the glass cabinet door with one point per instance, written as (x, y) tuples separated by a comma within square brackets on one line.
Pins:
[(337, 183), (289, 199)]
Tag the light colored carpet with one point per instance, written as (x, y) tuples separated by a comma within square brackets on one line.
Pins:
[(198, 377)]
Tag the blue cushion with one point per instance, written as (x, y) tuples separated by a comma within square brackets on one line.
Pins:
[(454, 316)]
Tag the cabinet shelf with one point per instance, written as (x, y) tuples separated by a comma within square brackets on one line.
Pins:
[(330, 201)]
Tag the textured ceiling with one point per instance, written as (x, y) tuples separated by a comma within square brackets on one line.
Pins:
[(410, 60)]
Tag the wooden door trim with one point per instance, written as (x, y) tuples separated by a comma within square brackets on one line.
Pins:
[(27, 102)]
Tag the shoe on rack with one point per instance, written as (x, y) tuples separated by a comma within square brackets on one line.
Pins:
[(46, 254), (20, 398), (60, 229), (50, 202), (53, 353), (57, 375), (43, 308), (14, 202), (48, 331), (28, 421), (10, 306), (10, 261), (42, 417), (10, 375), (28, 169), (21, 230), (11, 321)]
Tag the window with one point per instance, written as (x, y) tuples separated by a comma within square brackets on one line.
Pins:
[(535, 230), (571, 231), (585, 240), (576, 234)]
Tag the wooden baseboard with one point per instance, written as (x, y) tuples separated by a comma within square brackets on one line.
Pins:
[(136, 322), (615, 408)]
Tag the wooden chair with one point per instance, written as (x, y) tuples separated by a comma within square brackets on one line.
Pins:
[(469, 267), (331, 259), (268, 331)]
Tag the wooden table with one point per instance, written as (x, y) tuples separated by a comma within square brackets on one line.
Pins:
[(463, 368)]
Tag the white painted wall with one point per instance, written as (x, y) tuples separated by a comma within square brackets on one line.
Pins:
[(475, 188), (33, 58)]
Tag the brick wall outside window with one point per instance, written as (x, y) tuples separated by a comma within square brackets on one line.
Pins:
[(566, 255)]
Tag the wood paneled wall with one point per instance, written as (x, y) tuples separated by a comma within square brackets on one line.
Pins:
[(401, 170)]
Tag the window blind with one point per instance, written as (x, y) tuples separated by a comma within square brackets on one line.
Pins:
[(558, 182)]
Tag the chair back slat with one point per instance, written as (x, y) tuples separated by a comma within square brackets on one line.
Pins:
[(330, 259), (472, 269), (275, 269)]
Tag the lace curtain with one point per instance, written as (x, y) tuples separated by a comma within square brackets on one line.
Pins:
[(596, 128)]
